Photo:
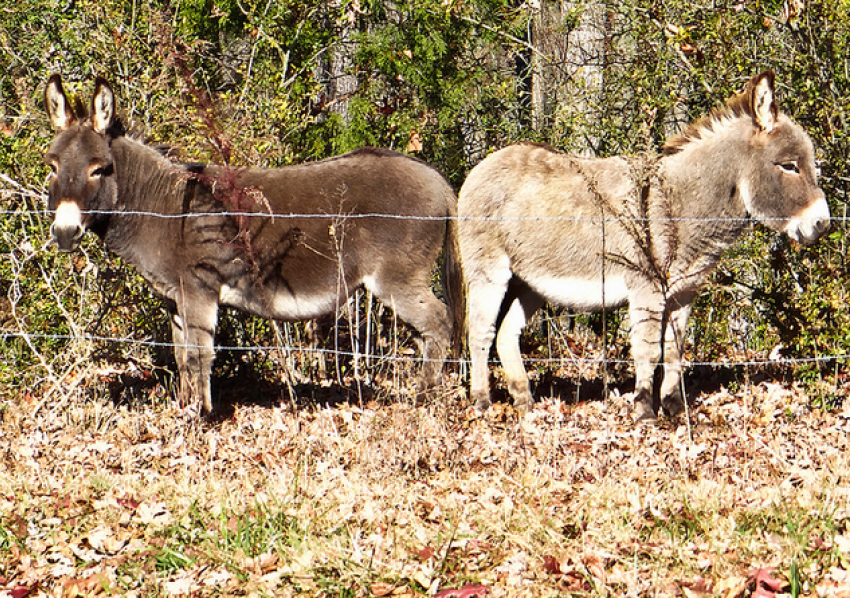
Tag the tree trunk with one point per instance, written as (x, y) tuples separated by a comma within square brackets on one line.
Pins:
[(334, 70), (568, 59)]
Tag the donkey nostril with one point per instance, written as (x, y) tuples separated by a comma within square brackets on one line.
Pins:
[(66, 237)]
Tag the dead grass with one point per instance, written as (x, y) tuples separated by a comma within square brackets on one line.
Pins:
[(396, 500)]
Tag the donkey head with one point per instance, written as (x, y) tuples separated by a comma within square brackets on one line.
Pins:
[(779, 184), (82, 182)]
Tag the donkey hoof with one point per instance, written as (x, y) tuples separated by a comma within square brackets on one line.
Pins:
[(523, 406), (673, 407), (482, 403), (644, 412)]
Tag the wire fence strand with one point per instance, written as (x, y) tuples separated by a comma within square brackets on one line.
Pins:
[(6, 335), (389, 216)]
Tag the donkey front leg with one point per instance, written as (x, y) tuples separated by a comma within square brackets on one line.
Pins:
[(193, 323), (672, 400), (645, 336)]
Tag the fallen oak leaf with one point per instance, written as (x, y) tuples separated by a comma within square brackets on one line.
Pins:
[(153, 514), (19, 527), (765, 585), (475, 546), (467, 591)]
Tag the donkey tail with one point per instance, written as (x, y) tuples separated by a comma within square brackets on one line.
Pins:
[(453, 277)]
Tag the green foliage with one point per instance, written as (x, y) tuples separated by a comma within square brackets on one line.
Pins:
[(169, 560), (417, 73), (255, 533)]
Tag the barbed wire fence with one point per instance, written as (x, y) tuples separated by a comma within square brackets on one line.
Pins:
[(56, 369)]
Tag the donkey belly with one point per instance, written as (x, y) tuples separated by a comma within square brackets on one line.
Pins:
[(281, 304), (583, 294)]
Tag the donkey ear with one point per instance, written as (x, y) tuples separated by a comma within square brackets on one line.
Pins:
[(763, 100), (56, 103), (102, 106)]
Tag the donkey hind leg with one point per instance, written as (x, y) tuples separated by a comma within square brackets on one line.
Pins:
[(521, 303), (672, 400), (645, 339), (417, 306), (193, 323), (484, 302)]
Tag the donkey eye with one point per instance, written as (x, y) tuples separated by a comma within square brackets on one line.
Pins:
[(789, 167), (100, 171)]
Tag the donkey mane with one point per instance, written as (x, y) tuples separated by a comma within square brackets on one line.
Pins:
[(735, 107)]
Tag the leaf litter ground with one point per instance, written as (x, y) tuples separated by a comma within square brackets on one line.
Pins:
[(750, 496)]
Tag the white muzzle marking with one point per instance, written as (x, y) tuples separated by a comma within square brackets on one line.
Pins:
[(68, 215), (67, 228), (807, 226)]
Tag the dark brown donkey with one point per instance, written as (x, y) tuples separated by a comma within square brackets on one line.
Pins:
[(301, 241), (537, 226)]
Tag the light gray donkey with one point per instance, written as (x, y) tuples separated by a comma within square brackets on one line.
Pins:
[(591, 234), (289, 243)]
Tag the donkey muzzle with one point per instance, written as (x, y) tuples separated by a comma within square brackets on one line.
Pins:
[(67, 228), (811, 223)]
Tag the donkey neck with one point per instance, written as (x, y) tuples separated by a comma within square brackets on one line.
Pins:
[(147, 181), (703, 182), (705, 175)]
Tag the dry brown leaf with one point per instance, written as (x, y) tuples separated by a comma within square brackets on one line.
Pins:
[(765, 585), (153, 513), (182, 584), (426, 553), (93, 585), (104, 540), (697, 588), (467, 591), (731, 587), (382, 589), (414, 144), (551, 565)]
